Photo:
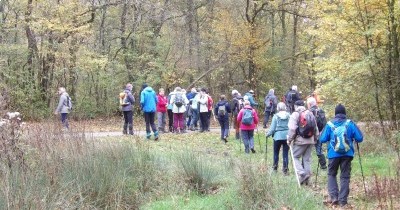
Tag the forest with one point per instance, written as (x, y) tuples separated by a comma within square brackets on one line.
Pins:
[(348, 50)]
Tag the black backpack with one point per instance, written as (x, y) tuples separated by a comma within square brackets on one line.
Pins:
[(320, 118), (291, 97), (178, 100)]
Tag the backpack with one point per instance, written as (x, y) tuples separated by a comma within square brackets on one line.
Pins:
[(247, 118), (69, 103), (306, 124), (340, 143), (269, 103), (291, 97), (178, 100), (123, 99), (240, 105), (222, 110), (320, 118)]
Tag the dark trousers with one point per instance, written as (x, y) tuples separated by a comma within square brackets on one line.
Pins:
[(203, 121), (170, 119), (64, 120), (209, 120), (336, 194), (128, 122), (285, 151), (224, 123), (149, 118), (267, 115)]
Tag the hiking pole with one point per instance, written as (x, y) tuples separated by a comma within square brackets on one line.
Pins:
[(258, 136), (266, 148), (362, 172), (294, 166)]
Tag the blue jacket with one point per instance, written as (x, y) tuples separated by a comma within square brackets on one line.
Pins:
[(253, 103), (353, 133), (190, 95), (148, 100), (279, 126)]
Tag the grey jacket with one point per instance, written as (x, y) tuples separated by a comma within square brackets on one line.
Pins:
[(63, 104), (131, 100), (293, 124)]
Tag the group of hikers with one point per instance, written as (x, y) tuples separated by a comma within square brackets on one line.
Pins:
[(297, 126)]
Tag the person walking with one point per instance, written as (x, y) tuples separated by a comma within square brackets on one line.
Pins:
[(248, 120), (222, 110), (302, 135), (126, 101), (194, 107), (203, 109), (340, 134), (319, 115), (148, 102), (291, 97), (170, 113), (270, 103), (279, 131), (179, 102), (249, 96), (161, 109), (237, 105), (64, 107)]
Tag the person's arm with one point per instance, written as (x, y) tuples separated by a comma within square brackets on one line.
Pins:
[(239, 117), (228, 108), (325, 134), (255, 117), (356, 132), (131, 98), (60, 104), (142, 99), (292, 127), (272, 128)]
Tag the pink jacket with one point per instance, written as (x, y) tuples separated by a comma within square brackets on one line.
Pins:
[(255, 119), (162, 103)]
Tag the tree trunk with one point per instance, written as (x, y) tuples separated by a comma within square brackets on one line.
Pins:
[(32, 44), (128, 64)]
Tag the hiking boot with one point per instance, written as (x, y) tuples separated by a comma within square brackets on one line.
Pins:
[(225, 139), (285, 171), (305, 179), (331, 202), (275, 168), (156, 136), (130, 130), (148, 135), (124, 131), (252, 150)]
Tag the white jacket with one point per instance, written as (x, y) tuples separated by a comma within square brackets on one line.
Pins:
[(203, 99), (181, 109)]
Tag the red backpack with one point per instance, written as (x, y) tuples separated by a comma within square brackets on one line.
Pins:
[(306, 124)]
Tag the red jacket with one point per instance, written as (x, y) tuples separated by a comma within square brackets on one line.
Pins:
[(255, 119), (162, 103), (210, 103)]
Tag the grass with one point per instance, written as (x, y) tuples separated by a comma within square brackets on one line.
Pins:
[(191, 171)]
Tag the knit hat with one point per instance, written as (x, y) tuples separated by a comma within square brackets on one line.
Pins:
[(340, 109), (299, 103)]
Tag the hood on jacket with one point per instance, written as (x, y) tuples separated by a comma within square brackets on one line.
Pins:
[(220, 103), (339, 118), (283, 115), (300, 108), (148, 89)]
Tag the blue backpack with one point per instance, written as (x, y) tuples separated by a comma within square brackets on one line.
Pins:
[(340, 143), (247, 118)]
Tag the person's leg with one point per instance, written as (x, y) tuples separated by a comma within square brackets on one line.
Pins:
[(147, 121), (170, 120), (320, 154), (307, 160), (181, 120), (64, 120), (345, 174), (159, 120), (245, 138), (266, 115), (130, 122), (176, 123), (226, 127), (236, 125), (298, 151), (276, 155), (251, 141), (285, 155), (333, 189), (152, 119), (163, 120), (203, 121), (208, 120), (125, 127), (221, 124)]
